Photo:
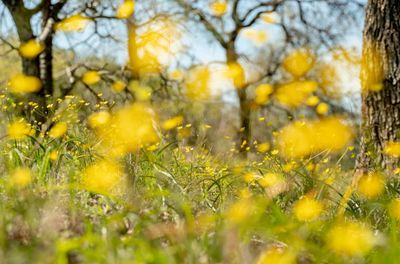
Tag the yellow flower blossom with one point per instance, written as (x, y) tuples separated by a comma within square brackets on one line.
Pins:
[(31, 49), (371, 185), (91, 77), (118, 86), (19, 130), (299, 62), (392, 149), (294, 94), (197, 83), (262, 93), (22, 83), (350, 239), (126, 9), (277, 255), (58, 130), (99, 119), (142, 93), (300, 139), (172, 122), (219, 7), (270, 179), (21, 177), (102, 176), (236, 73), (128, 130), (322, 108), (312, 100), (307, 209), (263, 147), (73, 23)]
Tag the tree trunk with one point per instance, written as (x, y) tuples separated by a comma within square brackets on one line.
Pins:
[(380, 81), (244, 134), (33, 112)]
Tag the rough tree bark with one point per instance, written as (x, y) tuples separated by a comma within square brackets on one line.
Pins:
[(22, 20), (380, 80)]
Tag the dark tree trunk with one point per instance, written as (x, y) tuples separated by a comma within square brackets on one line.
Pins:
[(244, 134), (380, 69), (31, 67)]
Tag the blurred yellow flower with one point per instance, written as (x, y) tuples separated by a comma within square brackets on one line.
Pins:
[(91, 77), (53, 155), (172, 122), (249, 177), (128, 130), (299, 62), (240, 211), (312, 100), (58, 130), (236, 73), (270, 179), (21, 177), (126, 9), (322, 108), (73, 23), (350, 239), (300, 139), (142, 93), (197, 83), (294, 94), (102, 176), (19, 130), (392, 149), (219, 7), (31, 49), (98, 119), (262, 93), (307, 209), (371, 185), (277, 255), (118, 86), (263, 147), (21, 83)]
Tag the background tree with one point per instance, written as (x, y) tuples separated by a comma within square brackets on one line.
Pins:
[(226, 20), (380, 78)]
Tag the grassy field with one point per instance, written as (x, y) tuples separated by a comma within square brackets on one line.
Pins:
[(67, 199)]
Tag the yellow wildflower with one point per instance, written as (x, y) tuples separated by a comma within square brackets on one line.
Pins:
[(118, 86), (21, 177), (298, 63), (22, 83), (262, 93), (98, 119), (307, 209), (19, 130), (91, 77), (126, 9), (73, 23), (31, 49), (58, 130), (102, 176), (172, 122), (277, 255), (371, 185), (219, 7), (350, 239)]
